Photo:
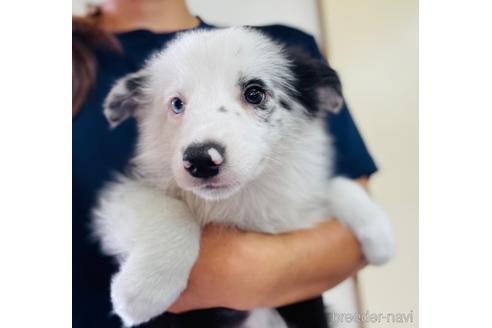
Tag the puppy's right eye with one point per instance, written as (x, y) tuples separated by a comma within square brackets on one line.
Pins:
[(254, 95), (177, 105)]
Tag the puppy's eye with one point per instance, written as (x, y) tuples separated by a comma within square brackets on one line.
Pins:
[(254, 95), (177, 105)]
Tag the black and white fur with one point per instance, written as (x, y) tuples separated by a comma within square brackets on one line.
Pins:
[(276, 163)]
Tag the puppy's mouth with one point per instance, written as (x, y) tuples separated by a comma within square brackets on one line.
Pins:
[(215, 190), (214, 186)]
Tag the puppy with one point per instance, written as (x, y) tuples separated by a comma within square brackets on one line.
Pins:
[(231, 131)]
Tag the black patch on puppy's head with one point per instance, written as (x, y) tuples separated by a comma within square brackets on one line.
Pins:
[(316, 85)]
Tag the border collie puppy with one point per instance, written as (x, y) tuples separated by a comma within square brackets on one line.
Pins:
[(231, 131)]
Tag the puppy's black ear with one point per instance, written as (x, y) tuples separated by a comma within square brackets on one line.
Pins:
[(125, 98), (317, 85)]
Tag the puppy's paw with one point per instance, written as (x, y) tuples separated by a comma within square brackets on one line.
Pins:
[(137, 298), (377, 239)]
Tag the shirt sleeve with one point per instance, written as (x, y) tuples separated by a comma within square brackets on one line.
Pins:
[(353, 159)]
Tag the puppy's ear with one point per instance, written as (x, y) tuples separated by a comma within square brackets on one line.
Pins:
[(125, 98), (317, 85)]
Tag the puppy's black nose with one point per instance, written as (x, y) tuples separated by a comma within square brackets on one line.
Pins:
[(203, 160)]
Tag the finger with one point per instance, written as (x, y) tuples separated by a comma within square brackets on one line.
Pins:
[(178, 307), (184, 303)]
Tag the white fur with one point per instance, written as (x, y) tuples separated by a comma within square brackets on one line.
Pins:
[(264, 318), (275, 176), (145, 229)]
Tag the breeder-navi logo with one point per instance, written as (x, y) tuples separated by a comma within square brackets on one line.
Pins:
[(371, 317)]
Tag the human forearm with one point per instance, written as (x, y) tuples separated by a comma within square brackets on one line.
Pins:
[(315, 260), (311, 261), (245, 270)]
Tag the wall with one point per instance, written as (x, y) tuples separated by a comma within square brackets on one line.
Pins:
[(300, 13), (374, 46)]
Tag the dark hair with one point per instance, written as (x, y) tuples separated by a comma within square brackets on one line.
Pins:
[(87, 34)]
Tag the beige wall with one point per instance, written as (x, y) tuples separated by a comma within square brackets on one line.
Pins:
[(374, 45)]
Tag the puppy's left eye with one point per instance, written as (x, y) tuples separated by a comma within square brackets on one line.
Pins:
[(254, 95), (177, 105)]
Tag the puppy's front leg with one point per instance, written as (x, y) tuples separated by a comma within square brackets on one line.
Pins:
[(151, 279), (164, 247), (353, 206)]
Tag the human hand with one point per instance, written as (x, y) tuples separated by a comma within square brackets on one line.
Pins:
[(231, 271), (246, 270)]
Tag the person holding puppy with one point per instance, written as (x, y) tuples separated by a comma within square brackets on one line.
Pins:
[(235, 269)]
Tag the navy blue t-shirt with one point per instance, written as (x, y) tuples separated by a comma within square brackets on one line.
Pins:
[(98, 152)]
